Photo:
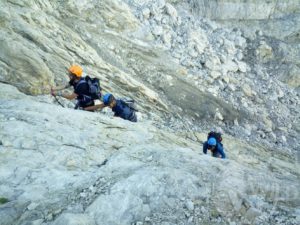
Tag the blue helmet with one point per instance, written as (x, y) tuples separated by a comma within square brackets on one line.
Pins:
[(212, 141), (106, 98)]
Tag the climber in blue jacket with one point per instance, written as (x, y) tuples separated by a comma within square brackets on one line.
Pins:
[(215, 147), (120, 108)]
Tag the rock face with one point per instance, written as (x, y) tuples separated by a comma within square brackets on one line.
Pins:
[(38, 45), (88, 168), (188, 75), (250, 10), (276, 21), (223, 63)]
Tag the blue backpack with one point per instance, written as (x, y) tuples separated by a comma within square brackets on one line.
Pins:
[(130, 103)]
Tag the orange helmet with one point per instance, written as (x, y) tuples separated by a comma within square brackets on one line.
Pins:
[(76, 70)]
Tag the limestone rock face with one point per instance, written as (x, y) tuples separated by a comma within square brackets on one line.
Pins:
[(89, 168), (38, 45), (29, 70), (273, 20), (243, 10)]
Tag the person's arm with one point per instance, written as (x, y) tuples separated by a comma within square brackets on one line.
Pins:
[(68, 96), (221, 151), (57, 91), (205, 147), (95, 107), (61, 87)]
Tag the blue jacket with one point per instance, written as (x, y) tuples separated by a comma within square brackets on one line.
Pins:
[(219, 151), (121, 109)]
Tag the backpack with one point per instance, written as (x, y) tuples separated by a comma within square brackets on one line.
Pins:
[(130, 103), (94, 87), (216, 135)]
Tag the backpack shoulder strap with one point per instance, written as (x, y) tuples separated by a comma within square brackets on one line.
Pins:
[(123, 102), (127, 103), (81, 81)]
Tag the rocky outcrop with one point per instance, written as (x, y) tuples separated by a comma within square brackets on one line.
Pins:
[(221, 62), (241, 10), (38, 44), (277, 21), (89, 168)]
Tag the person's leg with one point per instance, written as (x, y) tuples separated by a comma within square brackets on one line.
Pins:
[(133, 117)]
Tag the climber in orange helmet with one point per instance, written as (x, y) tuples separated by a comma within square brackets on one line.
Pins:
[(81, 88)]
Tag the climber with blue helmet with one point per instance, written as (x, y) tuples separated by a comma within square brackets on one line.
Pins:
[(215, 146), (119, 107), (107, 99)]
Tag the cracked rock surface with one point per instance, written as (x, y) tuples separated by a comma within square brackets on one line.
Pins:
[(63, 170)]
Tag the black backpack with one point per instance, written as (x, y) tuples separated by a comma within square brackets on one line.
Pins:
[(216, 135), (94, 87)]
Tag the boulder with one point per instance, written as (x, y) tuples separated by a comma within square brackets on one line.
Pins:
[(157, 30), (247, 90), (242, 67), (213, 63), (292, 78), (264, 52), (171, 11), (74, 219), (146, 13), (230, 66)]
